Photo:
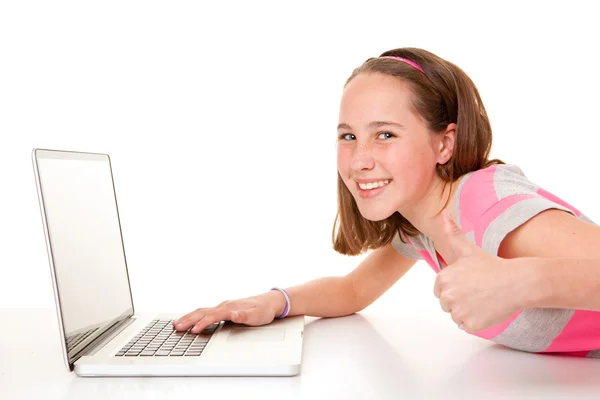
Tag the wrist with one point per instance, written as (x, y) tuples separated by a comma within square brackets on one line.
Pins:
[(277, 301)]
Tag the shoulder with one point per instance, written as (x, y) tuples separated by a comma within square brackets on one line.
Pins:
[(480, 190), (492, 202)]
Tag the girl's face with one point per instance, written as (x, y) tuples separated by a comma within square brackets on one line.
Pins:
[(386, 156)]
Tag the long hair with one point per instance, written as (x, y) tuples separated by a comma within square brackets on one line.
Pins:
[(444, 94)]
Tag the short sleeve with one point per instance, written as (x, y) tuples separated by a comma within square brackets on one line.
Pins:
[(509, 200), (406, 249)]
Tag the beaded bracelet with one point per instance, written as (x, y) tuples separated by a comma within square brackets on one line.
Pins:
[(288, 302)]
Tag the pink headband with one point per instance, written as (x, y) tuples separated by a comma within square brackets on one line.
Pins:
[(414, 64)]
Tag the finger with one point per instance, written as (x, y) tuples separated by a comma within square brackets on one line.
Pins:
[(183, 318), (254, 316), (189, 320), (218, 315), (187, 316), (437, 286), (239, 316), (458, 320), (455, 238), (445, 304)]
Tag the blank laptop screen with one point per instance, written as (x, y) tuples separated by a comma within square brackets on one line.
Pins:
[(85, 237)]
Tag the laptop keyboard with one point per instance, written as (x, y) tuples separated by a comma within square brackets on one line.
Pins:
[(160, 339)]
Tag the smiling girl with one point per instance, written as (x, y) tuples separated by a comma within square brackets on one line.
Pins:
[(515, 264)]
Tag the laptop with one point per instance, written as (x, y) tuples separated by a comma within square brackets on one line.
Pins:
[(101, 335)]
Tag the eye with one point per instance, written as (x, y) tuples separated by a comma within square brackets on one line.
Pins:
[(347, 136), (386, 135)]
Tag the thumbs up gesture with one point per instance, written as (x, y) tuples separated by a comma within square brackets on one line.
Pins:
[(478, 289)]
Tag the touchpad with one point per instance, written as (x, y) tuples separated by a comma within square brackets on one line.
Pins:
[(249, 334)]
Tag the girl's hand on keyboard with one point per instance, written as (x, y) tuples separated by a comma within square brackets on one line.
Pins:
[(255, 310)]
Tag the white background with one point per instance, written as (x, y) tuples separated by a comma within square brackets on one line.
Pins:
[(220, 123)]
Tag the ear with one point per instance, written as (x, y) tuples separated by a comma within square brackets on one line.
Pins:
[(446, 144)]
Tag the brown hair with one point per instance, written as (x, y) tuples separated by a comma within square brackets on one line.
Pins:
[(444, 94)]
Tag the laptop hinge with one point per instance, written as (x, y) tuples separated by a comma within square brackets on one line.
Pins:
[(108, 334)]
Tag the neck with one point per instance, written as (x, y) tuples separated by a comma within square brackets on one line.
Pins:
[(426, 214)]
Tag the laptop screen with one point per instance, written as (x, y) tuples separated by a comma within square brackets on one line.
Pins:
[(85, 238)]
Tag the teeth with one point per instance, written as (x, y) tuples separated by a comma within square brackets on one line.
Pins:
[(373, 185)]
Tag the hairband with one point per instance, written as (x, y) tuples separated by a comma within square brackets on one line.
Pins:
[(409, 62)]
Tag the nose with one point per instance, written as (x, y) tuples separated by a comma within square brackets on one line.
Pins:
[(362, 159)]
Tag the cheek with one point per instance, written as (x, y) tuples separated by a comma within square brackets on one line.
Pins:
[(411, 165), (344, 156), (416, 153), (343, 164), (401, 159)]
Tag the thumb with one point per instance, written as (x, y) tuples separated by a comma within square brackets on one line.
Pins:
[(239, 317), (457, 241)]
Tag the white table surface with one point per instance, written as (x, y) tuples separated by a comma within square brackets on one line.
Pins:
[(363, 356)]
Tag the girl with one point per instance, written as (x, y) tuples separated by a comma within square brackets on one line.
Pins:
[(515, 264)]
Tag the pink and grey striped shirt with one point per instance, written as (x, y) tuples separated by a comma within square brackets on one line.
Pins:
[(490, 203)]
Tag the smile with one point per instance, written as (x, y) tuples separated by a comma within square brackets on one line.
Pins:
[(370, 190), (373, 185)]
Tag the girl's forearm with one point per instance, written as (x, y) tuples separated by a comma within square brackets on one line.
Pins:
[(324, 297)]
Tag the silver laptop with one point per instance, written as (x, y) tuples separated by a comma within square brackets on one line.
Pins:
[(101, 334)]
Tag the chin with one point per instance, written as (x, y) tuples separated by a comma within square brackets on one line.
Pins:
[(373, 214)]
